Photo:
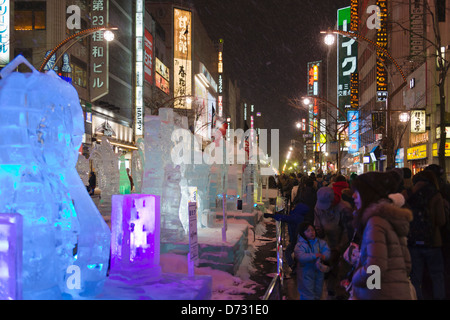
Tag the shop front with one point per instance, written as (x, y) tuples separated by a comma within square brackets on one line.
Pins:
[(417, 157)]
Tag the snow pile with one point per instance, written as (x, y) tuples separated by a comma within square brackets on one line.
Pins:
[(225, 286)]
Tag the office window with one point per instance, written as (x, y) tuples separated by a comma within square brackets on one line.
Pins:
[(30, 15), (441, 10), (79, 72)]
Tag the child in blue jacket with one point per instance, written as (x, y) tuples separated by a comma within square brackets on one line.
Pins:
[(310, 251)]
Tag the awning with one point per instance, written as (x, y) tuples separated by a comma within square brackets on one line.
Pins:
[(375, 153)]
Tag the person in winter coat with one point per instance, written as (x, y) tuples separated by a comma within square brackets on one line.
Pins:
[(425, 240), (306, 194), (330, 222), (340, 184), (310, 251), (92, 182), (293, 219), (384, 263)]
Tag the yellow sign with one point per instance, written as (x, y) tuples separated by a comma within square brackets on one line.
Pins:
[(447, 149), (419, 152)]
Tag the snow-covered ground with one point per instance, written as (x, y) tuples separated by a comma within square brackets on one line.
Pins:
[(225, 286)]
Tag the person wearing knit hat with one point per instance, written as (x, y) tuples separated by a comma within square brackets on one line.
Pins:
[(383, 229), (330, 221)]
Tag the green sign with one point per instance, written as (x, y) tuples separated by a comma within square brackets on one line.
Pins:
[(347, 56)]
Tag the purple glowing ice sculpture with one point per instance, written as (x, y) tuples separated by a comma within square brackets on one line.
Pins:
[(135, 235), (11, 226)]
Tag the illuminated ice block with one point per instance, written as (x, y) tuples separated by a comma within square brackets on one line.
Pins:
[(135, 234), (10, 256)]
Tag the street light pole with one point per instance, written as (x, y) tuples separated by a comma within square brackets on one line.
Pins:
[(388, 138), (75, 37), (338, 132)]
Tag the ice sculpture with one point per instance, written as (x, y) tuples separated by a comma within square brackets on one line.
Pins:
[(248, 186), (124, 180), (83, 169), (135, 235), (106, 164), (137, 165), (232, 189), (11, 228), (43, 132), (161, 177), (78, 221)]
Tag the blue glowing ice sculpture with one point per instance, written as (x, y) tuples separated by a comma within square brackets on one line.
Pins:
[(41, 127)]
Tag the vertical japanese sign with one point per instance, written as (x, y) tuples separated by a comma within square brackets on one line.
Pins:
[(182, 63), (418, 119), (139, 65), (193, 236), (346, 63), (353, 130), (313, 76), (148, 60), (354, 91), (220, 70), (99, 77), (417, 26), (4, 32), (162, 76), (382, 77)]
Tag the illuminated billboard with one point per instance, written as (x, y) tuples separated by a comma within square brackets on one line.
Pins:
[(353, 131), (347, 55), (382, 77), (5, 11), (182, 54)]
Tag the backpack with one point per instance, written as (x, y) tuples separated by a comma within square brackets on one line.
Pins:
[(421, 227)]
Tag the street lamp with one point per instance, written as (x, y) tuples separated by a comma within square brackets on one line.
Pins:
[(329, 39), (306, 100), (108, 36), (357, 37), (404, 117)]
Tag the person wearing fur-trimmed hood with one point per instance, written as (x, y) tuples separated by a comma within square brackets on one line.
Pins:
[(383, 227)]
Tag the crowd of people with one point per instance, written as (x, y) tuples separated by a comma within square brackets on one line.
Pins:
[(377, 235)]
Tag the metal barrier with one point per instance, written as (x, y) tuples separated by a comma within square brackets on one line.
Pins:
[(275, 289)]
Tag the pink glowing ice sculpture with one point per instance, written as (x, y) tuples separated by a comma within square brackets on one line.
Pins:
[(135, 235), (10, 256)]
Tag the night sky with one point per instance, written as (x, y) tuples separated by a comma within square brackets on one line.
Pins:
[(267, 44)]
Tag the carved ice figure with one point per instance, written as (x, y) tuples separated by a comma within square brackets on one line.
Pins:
[(60, 137), (171, 227), (83, 169), (161, 177), (137, 165), (42, 127), (106, 164)]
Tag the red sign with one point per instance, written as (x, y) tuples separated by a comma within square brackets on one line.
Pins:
[(148, 59)]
